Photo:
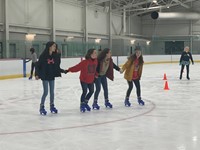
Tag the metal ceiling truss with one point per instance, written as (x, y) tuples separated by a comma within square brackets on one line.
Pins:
[(140, 7)]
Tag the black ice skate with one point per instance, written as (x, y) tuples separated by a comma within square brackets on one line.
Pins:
[(82, 108), (108, 104), (127, 103), (87, 107), (42, 111), (53, 109), (95, 106), (141, 102)]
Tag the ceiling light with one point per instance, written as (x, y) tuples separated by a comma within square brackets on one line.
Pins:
[(132, 42), (154, 1), (97, 40), (148, 42), (30, 37)]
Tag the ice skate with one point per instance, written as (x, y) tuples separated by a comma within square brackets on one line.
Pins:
[(87, 107), (127, 103), (95, 106), (108, 104), (42, 111), (53, 109), (141, 102), (82, 108)]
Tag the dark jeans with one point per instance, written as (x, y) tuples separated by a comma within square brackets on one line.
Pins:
[(98, 81), (45, 91), (130, 87), (182, 68), (86, 96), (32, 68)]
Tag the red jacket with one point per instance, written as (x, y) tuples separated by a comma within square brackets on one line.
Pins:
[(87, 68)]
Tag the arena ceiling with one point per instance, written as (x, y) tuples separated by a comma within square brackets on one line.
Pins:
[(140, 7)]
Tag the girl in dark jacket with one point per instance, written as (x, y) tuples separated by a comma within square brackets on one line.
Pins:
[(87, 70), (104, 70), (47, 71), (186, 56)]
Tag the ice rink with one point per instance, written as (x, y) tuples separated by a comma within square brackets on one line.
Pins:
[(168, 121)]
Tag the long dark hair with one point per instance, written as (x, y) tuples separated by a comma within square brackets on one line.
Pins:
[(133, 57), (89, 53), (45, 53), (102, 54), (57, 50)]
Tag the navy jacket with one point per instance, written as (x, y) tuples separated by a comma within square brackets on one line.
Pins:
[(186, 56), (48, 67)]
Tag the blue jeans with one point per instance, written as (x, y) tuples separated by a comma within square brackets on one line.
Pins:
[(86, 96), (45, 91), (98, 81)]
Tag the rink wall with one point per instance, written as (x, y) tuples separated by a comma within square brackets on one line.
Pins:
[(13, 68)]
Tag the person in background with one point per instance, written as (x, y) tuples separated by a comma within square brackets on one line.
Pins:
[(34, 60), (104, 70), (46, 69), (99, 51), (186, 56), (87, 70), (133, 71)]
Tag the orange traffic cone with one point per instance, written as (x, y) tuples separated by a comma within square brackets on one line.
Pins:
[(165, 77), (166, 86)]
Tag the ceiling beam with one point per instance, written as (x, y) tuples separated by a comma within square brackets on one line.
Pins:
[(159, 7), (182, 4), (98, 2), (132, 5)]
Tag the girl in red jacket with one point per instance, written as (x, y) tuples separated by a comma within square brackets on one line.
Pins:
[(87, 70)]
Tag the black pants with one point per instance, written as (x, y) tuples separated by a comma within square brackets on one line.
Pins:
[(32, 68), (130, 87), (182, 68), (86, 96)]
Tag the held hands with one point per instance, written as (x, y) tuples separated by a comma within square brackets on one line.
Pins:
[(65, 71)]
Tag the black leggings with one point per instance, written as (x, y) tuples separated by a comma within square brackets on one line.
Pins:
[(85, 96), (182, 68), (32, 68), (130, 87)]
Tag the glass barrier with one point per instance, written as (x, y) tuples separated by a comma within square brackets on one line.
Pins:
[(120, 47)]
